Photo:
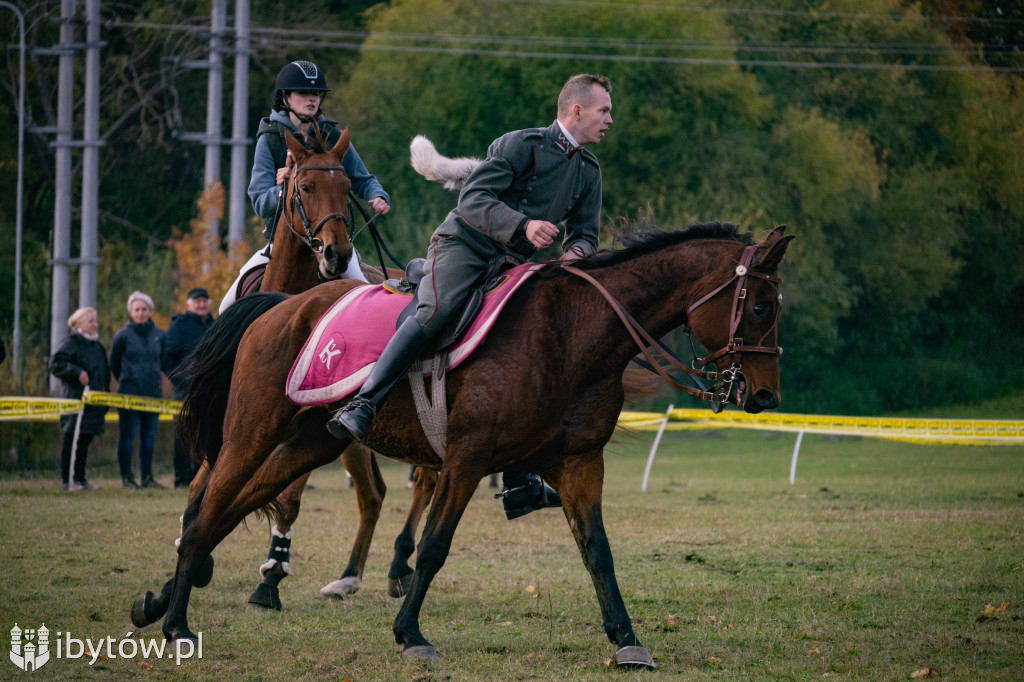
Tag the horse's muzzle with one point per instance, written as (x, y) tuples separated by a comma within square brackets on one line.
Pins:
[(760, 400), (334, 261)]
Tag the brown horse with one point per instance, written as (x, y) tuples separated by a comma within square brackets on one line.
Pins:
[(542, 394), (312, 245)]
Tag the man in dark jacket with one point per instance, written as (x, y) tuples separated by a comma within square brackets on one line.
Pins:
[(510, 206), (183, 335)]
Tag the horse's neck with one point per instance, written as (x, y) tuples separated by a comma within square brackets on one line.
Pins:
[(292, 266), (654, 288)]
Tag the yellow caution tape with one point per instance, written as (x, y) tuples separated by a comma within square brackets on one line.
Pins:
[(938, 431), (944, 431)]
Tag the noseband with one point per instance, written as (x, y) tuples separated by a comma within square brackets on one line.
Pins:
[(309, 233), (721, 393)]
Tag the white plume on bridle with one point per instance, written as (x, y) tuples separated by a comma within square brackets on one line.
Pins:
[(426, 161)]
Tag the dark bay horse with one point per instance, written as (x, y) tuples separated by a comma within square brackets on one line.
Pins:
[(312, 245), (542, 394)]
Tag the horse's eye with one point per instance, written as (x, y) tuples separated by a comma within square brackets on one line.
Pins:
[(761, 309)]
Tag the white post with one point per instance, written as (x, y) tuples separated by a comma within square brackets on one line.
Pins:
[(796, 451), (654, 447)]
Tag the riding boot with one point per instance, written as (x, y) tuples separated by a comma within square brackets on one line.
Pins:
[(524, 492), (404, 348)]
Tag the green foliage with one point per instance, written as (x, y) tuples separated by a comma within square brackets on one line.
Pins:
[(905, 187)]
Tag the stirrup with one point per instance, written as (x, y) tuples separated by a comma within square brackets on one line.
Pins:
[(344, 424)]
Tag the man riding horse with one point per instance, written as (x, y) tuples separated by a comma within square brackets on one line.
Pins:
[(510, 206)]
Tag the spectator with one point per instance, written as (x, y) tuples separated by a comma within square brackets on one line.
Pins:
[(135, 361), (183, 335), (80, 362)]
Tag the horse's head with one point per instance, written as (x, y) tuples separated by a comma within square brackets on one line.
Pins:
[(317, 202), (734, 313)]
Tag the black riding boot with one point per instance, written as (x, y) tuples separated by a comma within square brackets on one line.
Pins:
[(402, 350), (523, 492)]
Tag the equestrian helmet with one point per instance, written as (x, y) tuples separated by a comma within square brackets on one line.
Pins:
[(300, 75)]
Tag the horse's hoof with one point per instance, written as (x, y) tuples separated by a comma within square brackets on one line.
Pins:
[(634, 657), (143, 611), (265, 598), (205, 573), (340, 589), (421, 652), (399, 587)]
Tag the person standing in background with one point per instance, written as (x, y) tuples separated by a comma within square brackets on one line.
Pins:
[(183, 334), (135, 355), (80, 363)]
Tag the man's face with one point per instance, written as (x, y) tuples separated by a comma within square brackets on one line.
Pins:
[(591, 121), (200, 305)]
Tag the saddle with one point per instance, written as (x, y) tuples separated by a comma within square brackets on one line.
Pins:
[(409, 286)]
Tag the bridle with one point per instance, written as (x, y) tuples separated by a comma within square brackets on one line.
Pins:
[(309, 233), (722, 392)]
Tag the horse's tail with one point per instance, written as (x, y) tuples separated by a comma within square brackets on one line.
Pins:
[(209, 368), (429, 163)]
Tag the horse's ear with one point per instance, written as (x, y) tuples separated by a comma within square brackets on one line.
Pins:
[(341, 146), (294, 146), (775, 235), (777, 249)]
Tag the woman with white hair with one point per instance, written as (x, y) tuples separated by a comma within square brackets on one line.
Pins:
[(80, 362), (135, 361)]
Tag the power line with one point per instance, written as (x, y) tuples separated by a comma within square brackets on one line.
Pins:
[(355, 40), (768, 12)]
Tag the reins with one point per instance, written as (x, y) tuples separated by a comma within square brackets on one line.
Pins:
[(720, 393)]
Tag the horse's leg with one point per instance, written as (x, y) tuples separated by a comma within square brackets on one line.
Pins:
[(244, 479), (400, 574), (453, 493), (580, 484), (361, 464), (148, 607), (276, 568)]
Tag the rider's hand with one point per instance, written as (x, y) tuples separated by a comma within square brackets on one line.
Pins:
[(285, 171), (379, 205), (541, 233)]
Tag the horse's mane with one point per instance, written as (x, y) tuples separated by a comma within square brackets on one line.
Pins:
[(646, 237), (315, 142)]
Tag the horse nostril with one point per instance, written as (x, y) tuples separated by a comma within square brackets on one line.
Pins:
[(766, 399)]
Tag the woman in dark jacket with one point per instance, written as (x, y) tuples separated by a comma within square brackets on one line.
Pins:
[(79, 362), (135, 360)]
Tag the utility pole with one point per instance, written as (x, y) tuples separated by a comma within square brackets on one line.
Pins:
[(91, 144), (239, 127), (214, 93), (62, 177)]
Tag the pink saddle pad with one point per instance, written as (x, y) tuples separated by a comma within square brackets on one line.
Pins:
[(350, 336)]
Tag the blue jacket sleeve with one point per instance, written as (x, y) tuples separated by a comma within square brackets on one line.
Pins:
[(263, 188), (364, 183)]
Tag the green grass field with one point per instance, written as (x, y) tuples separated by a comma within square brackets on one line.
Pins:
[(883, 559)]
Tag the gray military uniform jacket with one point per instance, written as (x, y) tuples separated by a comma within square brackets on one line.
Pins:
[(527, 175)]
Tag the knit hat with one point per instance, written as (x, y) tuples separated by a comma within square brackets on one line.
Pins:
[(139, 296)]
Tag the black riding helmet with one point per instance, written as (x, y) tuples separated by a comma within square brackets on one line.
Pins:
[(299, 75)]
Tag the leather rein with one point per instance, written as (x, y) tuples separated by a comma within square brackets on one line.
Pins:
[(721, 392)]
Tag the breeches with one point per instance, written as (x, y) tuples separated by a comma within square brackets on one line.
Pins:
[(453, 269)]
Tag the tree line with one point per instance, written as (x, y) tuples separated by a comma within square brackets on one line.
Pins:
[(886, 135)]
